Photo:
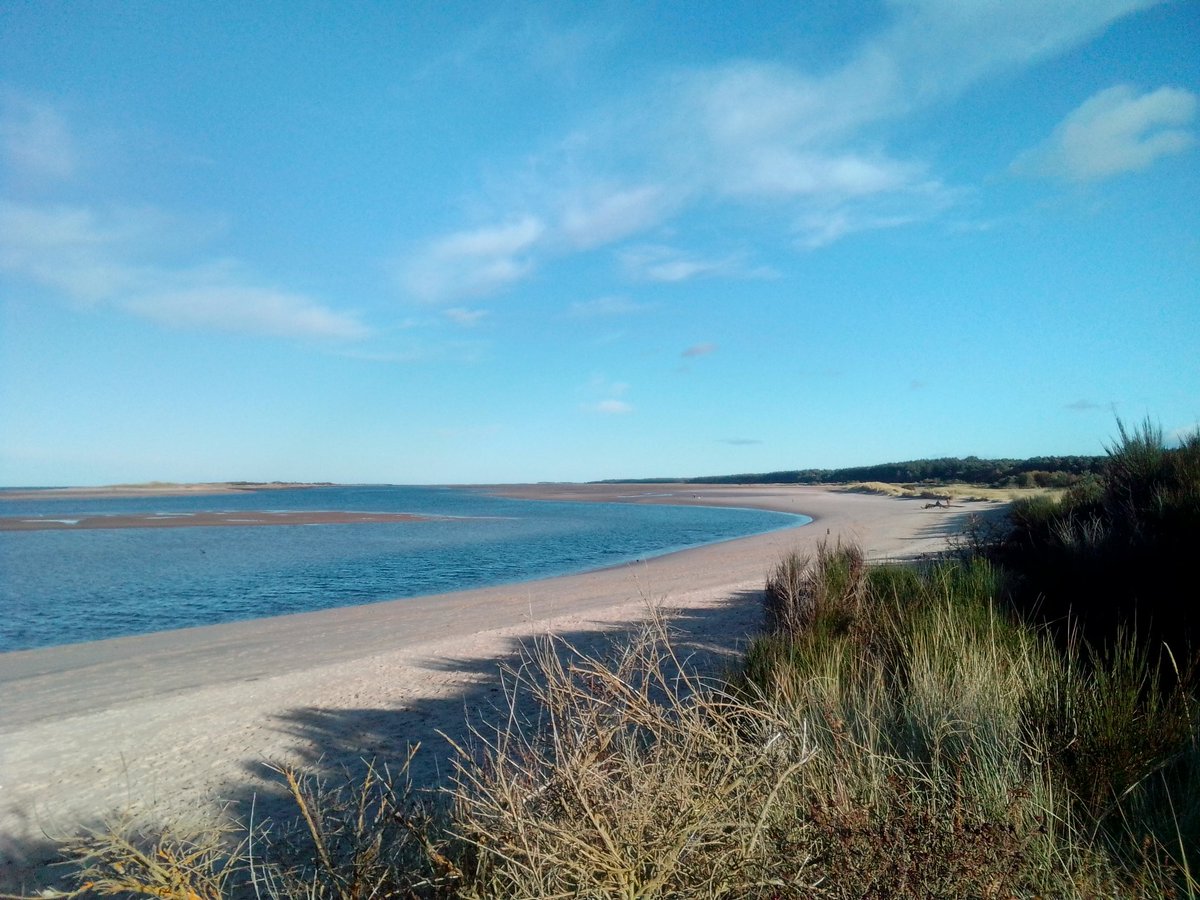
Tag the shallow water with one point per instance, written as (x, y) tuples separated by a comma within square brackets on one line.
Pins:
[(64, 586)]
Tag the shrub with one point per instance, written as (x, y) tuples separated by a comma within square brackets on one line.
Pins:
[(1113, 553)]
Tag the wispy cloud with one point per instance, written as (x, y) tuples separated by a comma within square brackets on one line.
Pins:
[(116, 258), (473, 262), (1114, 132), (810, 149), (231, 307), (525, 42), (35, 139), (937, 48), (699, 350), (603, 307), (659, 263), (599, 220), (139, 259)]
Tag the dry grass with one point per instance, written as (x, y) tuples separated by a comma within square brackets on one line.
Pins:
[(126, 859), (953, 493), (631, 777)]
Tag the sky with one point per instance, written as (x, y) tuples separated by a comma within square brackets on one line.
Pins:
[(448, 242)]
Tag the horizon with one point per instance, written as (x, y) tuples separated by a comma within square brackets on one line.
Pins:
[(441, 244)]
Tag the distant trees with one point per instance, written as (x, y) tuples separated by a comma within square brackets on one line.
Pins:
[(1037, 471)]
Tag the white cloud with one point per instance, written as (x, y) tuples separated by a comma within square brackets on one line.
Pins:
[(818, 228), (486, 243), (474, 261), (660, 263), (115, 258), (485, 260), (35, 139), (612, 216), (1114, 132), (700, 350), (245, 310), (937, 48), (70, 249)]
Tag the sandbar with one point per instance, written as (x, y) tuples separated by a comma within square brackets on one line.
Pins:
[(245, 518), (153, 489), (166, 725)]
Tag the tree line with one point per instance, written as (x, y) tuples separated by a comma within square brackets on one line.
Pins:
[(1036, 471)]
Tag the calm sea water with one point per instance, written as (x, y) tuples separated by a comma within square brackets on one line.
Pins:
[(59, 587)]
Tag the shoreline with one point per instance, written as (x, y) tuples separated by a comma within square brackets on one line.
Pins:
[(168, 723)]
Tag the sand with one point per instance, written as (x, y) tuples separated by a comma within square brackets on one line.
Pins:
[(241, 519), (152, 489), (161, 726)]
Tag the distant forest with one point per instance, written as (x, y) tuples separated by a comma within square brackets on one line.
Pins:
[(1037, 471)]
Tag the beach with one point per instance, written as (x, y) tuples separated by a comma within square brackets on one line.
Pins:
[(163, 726)]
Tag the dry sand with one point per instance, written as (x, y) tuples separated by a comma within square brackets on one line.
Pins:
[(164, 724)]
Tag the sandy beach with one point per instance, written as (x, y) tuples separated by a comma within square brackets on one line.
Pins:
[(165, 724)]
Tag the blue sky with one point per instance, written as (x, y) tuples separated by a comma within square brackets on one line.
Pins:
[(467, 242)]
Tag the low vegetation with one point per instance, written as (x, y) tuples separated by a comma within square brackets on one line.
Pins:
[(894, 731)]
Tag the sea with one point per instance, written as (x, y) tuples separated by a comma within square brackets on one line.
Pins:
[(65, 586)]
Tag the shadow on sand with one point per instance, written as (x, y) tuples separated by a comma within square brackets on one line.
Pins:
[(336, 743)]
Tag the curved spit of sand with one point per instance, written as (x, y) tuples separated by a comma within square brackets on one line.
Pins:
[(166, 724)]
